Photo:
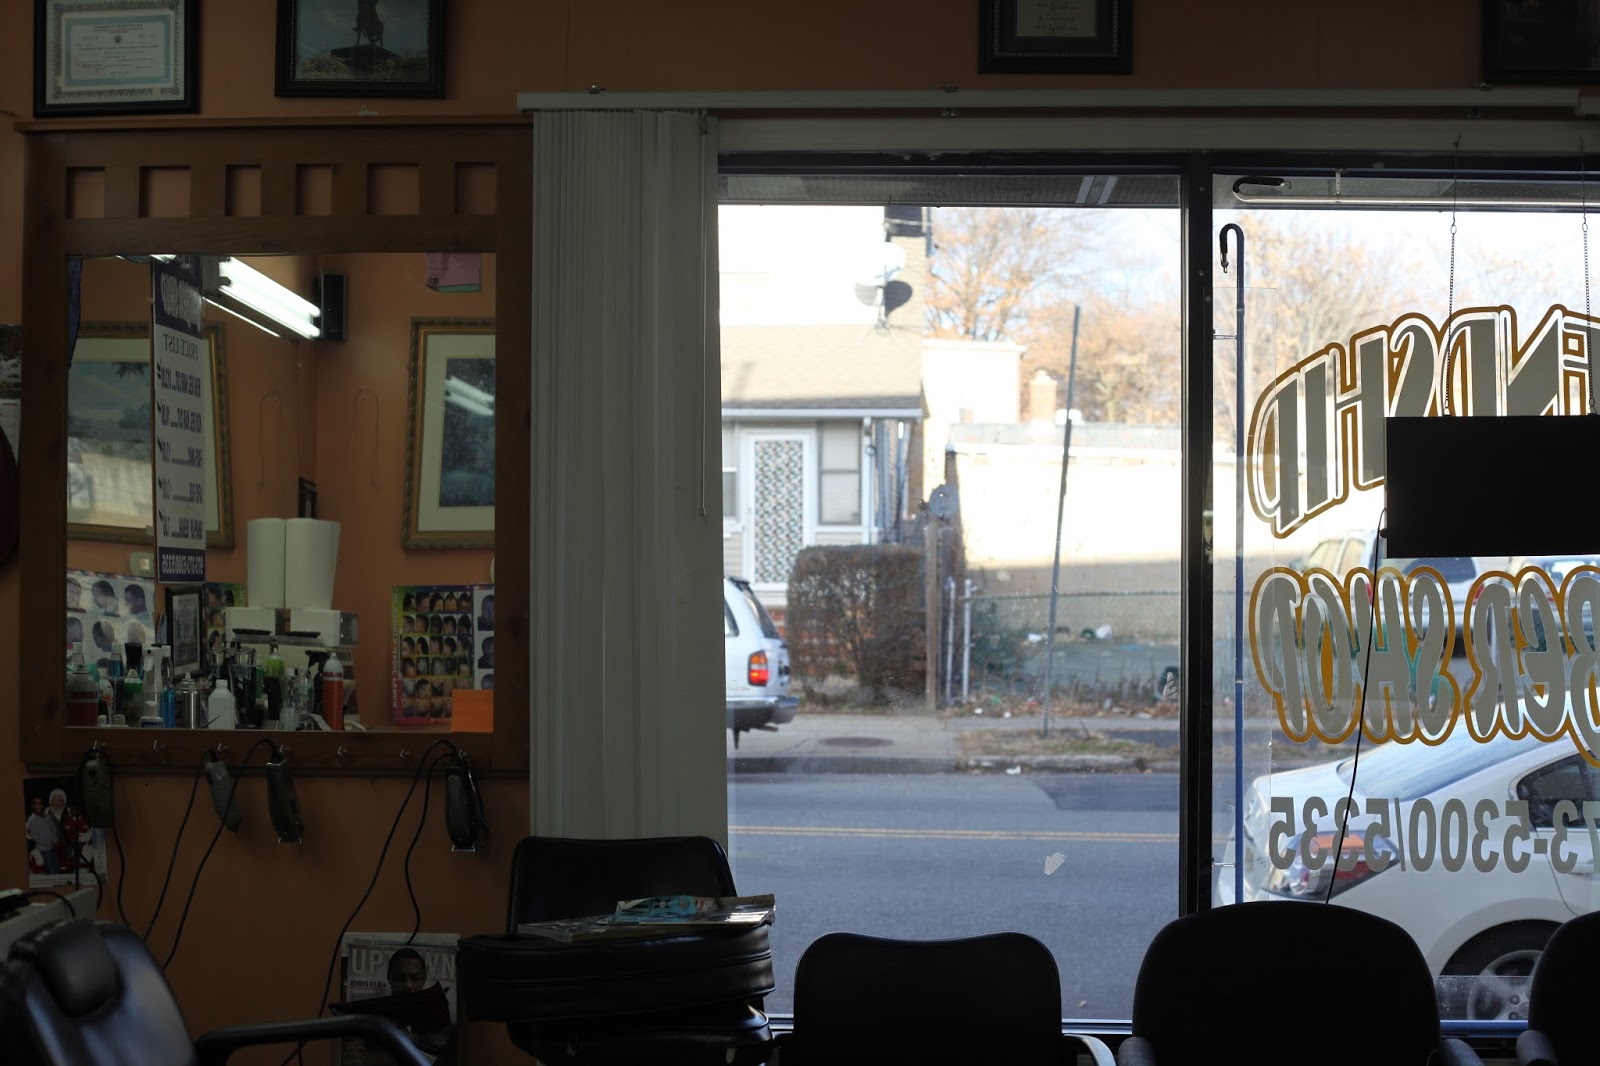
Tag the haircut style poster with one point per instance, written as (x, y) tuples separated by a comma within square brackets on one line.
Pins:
[(433, 650), (107, 612)]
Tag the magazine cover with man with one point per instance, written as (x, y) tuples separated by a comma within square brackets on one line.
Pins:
[(413, 985)]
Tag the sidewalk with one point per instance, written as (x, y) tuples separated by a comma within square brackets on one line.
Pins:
[(923, 744), (909, 743)]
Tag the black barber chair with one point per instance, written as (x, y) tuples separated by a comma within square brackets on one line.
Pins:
[(85, 993), (680, 999), (1348, 987), (993, 998)]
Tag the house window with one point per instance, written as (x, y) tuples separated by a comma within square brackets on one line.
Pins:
[(839, 474), (730, 474)]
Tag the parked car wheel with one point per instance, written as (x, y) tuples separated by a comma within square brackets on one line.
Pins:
[(1488, 979)]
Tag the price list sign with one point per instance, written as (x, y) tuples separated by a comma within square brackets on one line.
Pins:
[(180, 411)]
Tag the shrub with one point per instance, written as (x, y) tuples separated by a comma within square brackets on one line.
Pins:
[(858, 610)]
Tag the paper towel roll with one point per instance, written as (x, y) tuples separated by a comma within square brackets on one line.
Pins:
[(311, 555), (265, 570)]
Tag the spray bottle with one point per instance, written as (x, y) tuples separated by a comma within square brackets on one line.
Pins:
[(333, 692)]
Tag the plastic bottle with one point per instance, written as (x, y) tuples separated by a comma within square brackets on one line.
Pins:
[(289, 713), (273, 673), (83, 695), (333, 692), (132, 706), (220, 707)]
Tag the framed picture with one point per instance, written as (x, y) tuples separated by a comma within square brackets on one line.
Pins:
[(114, 57), (185, 621), (449, 493), (360, 48), (1055, 36), (1541, 43), (109, 430)]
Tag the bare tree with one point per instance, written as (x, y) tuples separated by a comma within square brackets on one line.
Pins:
[(993, 268)]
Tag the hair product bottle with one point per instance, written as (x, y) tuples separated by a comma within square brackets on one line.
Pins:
[(83, 695), (333, 692)]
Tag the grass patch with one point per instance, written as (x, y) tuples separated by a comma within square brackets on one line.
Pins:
[(1067, 742)]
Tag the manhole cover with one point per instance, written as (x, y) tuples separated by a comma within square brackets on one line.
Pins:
[(857, 742)]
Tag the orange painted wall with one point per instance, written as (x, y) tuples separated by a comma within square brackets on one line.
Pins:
[(266, 914)]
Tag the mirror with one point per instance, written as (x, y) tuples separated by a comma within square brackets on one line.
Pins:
[(381, 434)]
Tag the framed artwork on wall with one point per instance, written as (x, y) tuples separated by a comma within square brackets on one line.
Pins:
[(1541, 43), (360, 48), (449, 484), (109, 433), (1055, 36), (114, 57)]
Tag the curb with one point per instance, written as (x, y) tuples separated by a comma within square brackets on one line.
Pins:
[(931, 764)]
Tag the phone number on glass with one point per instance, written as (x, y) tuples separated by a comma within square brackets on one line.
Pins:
[(1453, 836)]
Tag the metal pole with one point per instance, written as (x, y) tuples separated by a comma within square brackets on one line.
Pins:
[(950, 642), (930, 596), (1238, 552), (966, 643), (1061, 503), (1197, 633)]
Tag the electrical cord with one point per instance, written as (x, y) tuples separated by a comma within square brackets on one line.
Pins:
[(172, 860), (383, 853), (222, 823), (34, 893), (427, 791), (77, 839), (1361, 708), (122, 877)]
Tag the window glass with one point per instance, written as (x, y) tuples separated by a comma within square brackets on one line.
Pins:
[(928, 653), (730, 472), (1438, 754)]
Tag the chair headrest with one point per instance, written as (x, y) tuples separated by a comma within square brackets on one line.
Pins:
[(76, 965)]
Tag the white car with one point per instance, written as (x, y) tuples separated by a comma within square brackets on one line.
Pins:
[(1342, 554), (756, 663), (1519, 875)]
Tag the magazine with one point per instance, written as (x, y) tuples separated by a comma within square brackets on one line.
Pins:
[(658, 916), (412, 984)]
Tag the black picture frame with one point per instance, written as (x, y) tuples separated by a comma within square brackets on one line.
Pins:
[(186, 629), (1055, 36), (335, 48), (1541, 44), (83, 48)]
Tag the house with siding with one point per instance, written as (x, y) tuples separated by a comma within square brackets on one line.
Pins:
[(822, 328)]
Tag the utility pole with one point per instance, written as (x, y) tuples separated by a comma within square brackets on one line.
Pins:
[(1061, 503)]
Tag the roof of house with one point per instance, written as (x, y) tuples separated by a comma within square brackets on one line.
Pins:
[(823, 367)]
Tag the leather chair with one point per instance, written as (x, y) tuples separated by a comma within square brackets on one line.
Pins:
[(86, 993), (1273, 981), (865, 1000), (601, 1002), (1561, 996)]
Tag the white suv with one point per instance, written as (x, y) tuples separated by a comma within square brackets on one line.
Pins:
[(756, 663), (1342, 554)]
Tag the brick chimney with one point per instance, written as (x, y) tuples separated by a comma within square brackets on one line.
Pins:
[(1041, 397)]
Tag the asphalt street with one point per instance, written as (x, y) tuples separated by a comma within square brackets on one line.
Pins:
[(1085, 862)]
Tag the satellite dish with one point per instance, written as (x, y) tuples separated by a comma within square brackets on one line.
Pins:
[(942, 502), (895, 294), (875, 268)]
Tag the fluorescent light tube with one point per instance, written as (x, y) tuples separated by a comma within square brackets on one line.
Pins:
[(261, 294)]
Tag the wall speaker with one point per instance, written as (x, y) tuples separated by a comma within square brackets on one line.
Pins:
[(330, 299), (1492, 485)]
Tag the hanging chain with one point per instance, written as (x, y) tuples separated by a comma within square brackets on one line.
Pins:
[(1455, 193)]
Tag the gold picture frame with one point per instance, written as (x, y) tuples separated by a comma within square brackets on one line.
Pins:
[(449, 482), (107, 498)]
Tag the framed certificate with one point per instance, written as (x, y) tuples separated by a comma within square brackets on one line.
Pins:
[(1055, 36), (114, 57)]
